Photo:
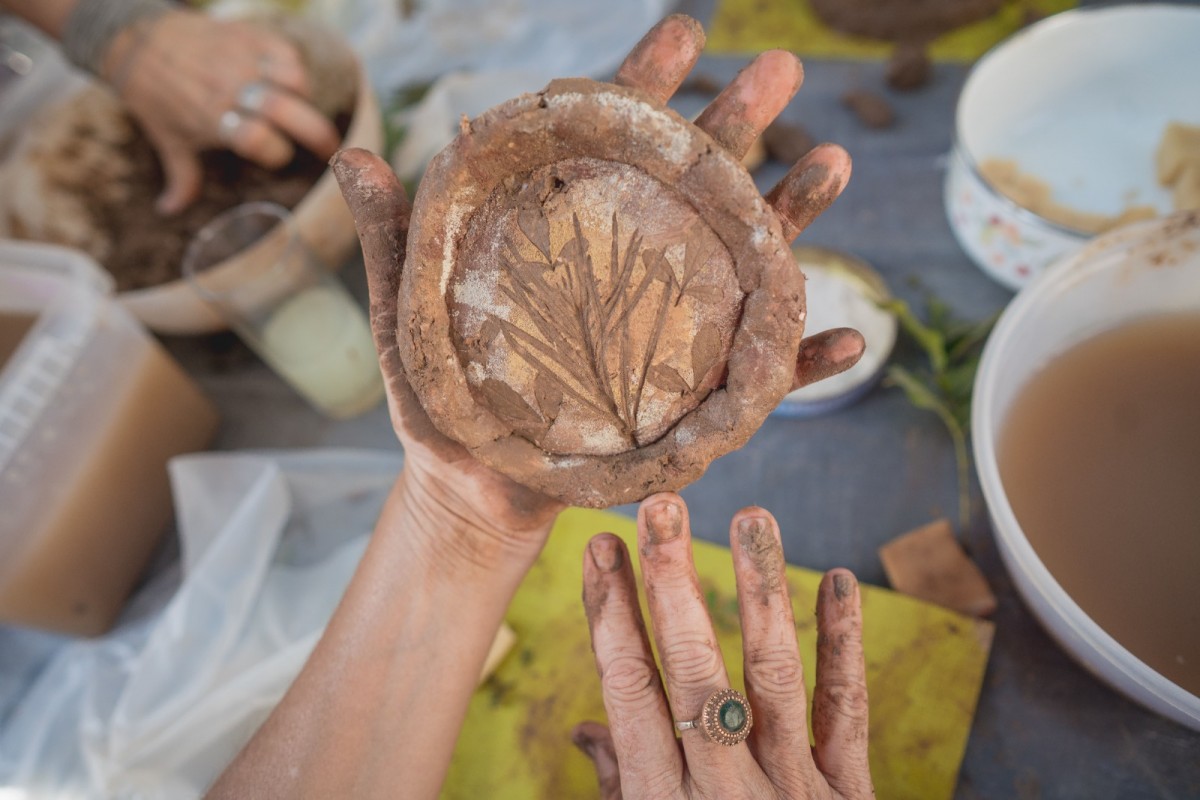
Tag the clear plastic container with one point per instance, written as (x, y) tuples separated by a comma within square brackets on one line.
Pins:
[(91, 409)]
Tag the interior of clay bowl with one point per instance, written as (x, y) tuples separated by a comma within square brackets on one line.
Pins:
[(321, 218), (597, 301)]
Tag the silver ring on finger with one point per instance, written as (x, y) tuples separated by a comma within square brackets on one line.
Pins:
[(228, 125), (253, 96), (725, 718)]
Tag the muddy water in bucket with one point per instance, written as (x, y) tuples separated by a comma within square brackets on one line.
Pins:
[(1100, 459)]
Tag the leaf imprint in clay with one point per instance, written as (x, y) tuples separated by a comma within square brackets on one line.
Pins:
[(597, 302)]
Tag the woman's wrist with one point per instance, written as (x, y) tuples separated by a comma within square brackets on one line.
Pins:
[(94, 28), (458, 537)]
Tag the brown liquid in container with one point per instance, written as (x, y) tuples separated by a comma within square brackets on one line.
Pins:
[(1100, 460), (13, 328), (95, 525)]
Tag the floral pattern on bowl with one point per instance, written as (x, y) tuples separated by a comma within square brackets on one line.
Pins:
[(1009, 243)]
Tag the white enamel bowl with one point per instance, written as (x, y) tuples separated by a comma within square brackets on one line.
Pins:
[(1079, 100), (1140, 270)]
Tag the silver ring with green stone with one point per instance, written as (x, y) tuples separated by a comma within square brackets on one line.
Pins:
[(725, 718)]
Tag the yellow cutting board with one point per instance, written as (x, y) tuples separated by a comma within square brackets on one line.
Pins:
[(751, 26), (924, 669)]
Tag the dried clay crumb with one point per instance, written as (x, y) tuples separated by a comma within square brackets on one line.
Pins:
[(909, 68), (1177, 163), (872, 109), (930, 564), (787, 142), (1033, 193), (700, 83)]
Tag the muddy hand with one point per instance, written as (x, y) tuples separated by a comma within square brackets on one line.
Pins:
[(766, 751), (381, 213), (739, 114), (194, 82)]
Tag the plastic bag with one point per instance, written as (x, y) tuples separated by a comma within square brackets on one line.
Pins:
[(159, 707)]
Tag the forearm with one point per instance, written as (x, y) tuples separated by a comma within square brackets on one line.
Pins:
[(383, 696)]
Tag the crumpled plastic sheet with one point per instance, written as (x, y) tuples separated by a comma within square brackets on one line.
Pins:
[(158, 707), (475, 53)]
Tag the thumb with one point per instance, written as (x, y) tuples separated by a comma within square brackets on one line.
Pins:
[(381, 212), (596, 743), (826, 354), (182, 175)]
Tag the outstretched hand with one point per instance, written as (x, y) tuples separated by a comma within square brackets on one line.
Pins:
[(656, 66), (639, 756)]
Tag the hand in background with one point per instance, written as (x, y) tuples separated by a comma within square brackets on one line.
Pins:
[(194, 82), (638, 756)]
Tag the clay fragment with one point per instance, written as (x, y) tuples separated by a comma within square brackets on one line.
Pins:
[(929, 563), (909, 67), (787, 142), (872, 109), (699, 83), (597, 302)]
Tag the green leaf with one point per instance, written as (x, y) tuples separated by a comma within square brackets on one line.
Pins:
[(921, 396), (972, 338), (930, 340)]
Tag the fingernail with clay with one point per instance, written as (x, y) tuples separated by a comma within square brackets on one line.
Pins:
[(664, 522), (752, 526), (606, 552), (843, 586)]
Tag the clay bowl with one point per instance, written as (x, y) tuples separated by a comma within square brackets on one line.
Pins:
[(321, 218), (1080, 101), (597, 302)]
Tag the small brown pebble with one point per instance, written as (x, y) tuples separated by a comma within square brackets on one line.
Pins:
[(787, 142), (871, 108), (701, 84), (1031, 15), (909, 67)]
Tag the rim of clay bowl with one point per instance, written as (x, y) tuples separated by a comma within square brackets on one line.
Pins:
[(578, 128), (1052, 605), (1039, 28)]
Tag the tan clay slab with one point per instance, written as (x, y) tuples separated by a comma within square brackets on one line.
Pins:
[(597, 302)]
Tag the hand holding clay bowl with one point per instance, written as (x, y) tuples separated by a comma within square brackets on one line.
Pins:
[(588, 295)]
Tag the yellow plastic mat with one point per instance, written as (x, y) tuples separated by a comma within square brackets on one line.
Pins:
[(751, 26), (924, 670)]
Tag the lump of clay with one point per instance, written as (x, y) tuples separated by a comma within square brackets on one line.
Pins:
[(597, 302)]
